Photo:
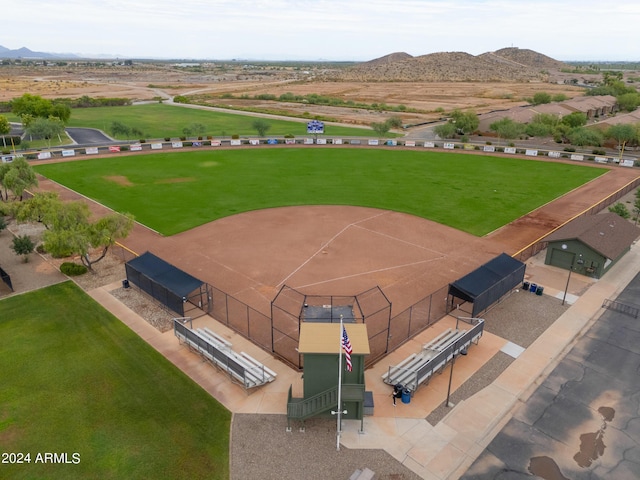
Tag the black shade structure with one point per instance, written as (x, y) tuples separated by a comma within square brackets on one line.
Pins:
[(167, 284), (488, 283)]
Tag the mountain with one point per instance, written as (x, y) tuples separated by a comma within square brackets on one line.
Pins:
[(25, 53), (508, 64)]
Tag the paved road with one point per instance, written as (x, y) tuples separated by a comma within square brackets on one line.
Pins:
[(88, 136), (583, 422)]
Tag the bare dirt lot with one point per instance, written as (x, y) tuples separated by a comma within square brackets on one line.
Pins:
[(147, 82)]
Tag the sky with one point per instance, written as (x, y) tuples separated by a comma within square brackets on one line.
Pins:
[(335, 30)]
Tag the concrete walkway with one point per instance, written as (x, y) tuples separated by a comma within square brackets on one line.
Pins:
[(444, 451)]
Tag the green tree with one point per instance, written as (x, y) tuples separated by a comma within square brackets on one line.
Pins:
[(465, 122), (540, 98), (34, 106), (45, 128), (119, 129), (620, 209), (19, 177), (445, 130), (506, 128), (622, 133), (5, 126), (575, 119), (629, 101), (381, 128), (41, 208), (23, 245), (582, 136), (261, 126), (395, 122), (559, 97), (72, 233)]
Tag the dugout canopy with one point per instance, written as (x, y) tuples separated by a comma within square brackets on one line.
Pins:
[(168, 284), (488, 283)]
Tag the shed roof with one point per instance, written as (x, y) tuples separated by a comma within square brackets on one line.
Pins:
[(325, 338), (172, 278), (606, 233)]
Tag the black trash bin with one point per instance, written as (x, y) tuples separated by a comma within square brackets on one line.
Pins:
[(125, 283), (525, 286), (539, 290)]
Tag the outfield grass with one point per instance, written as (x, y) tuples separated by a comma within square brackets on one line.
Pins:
[(77, 380), (174, 192), (158, 120)]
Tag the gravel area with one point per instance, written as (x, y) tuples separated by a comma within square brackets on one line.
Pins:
[(262, 449), (143, 305)]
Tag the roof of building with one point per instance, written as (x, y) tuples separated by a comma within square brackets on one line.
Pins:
[(325, 338), (606, 233)]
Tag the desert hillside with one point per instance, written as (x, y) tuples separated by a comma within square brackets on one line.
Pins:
[(505, 65)]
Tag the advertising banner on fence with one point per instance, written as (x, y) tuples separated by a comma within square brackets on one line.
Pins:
[(44, 155), (391, 143), (321, 141), (555, 154), (469, 146), (91, 150), (449, 146), (272, 141), (489, 148), (68, 153), (290, 141), (373, 141), (577, 156), (509, 149), (114, 148), (156, 146), (531, 153), (429, 144), (410, 143), (601, 160), (337, 141), (236, 142), (627, 162), (196, 144), (308, 141), (254, 141), (176, 144), (216, 143), (135, 147)]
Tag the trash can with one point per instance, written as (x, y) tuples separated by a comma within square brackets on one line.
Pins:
[(406, 395), (525, 286), (533, 288), (125, 283), (539, 290)]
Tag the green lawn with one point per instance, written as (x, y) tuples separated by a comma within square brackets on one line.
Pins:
[(76, 380), (158, 120), (174, 192)]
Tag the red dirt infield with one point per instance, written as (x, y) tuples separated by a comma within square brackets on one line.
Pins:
[(336, 250)]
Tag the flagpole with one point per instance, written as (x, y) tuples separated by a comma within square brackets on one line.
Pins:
[(339, 411)]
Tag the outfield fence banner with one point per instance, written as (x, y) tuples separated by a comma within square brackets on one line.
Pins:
[(254, 141), (91, 150), (68, 153), (577, 156), (555, 154), (469, 146), (135, 147), (429, 144), (511, 150), (373, 141), (308, 141), (289, 141), (44, 155), (449, 146), (410, 143), (601, 160), (531, 153), (489, 148), (235, 142), (337, 141), (216, 143), (176, 145), (114, 148), (321, 141), (391, 143), (156, 146), (627, 163)]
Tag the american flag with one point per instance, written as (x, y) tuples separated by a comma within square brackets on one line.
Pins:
[(346, 345)]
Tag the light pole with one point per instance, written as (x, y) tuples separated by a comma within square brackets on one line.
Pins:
[(573, 261)]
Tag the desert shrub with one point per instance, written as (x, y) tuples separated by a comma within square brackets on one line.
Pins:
[(288, 135), (598, 152), (235, 136), (183, 138), (143, 140), (569, 149), (40, 249), (124, 148), (167, 139), (73, 269)]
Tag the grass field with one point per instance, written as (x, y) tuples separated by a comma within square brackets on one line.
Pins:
[(158, 120), (174, 192), (76, 380)]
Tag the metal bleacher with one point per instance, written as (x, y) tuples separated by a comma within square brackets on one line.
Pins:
[(418, 368), (241, 367)]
